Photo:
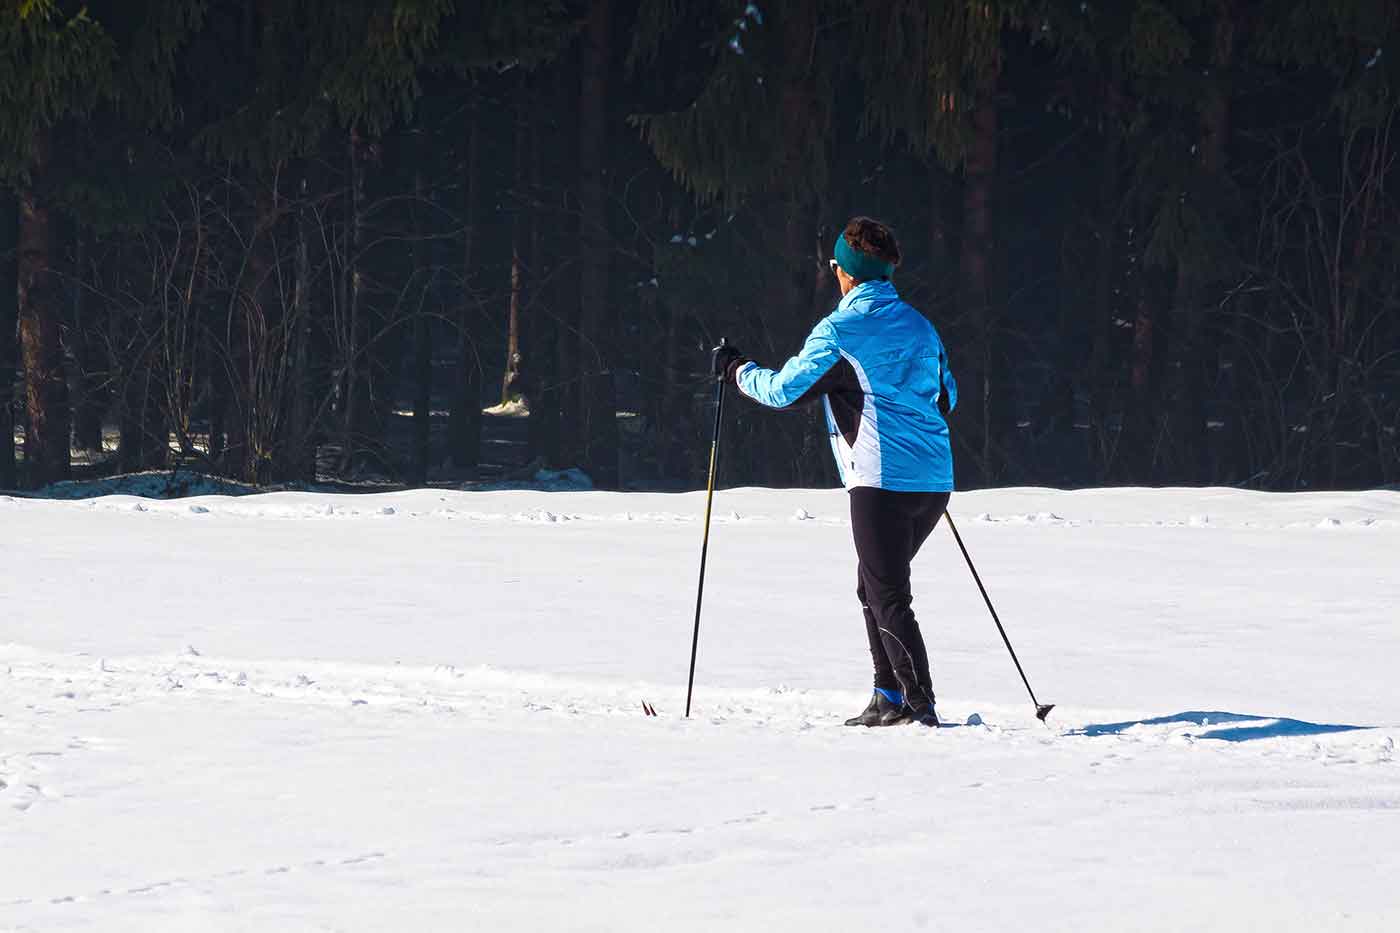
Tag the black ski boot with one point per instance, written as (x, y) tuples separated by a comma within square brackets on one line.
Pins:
[(920, 709), (886, 709)]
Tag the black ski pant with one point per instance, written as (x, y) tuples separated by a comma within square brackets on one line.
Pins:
[(889, 528)]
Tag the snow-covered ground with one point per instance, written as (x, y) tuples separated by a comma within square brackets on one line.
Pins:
[(422, 711)]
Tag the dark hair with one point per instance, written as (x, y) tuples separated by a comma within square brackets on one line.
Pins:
[(874, 238)]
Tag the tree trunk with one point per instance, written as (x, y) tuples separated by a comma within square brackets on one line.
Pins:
[(88, 356), (262, 352), (235, 413), (180, 343), (1141, 434), (299, 447), (797, 119), (542, 333), (1192, 358), (426, 276), (356, 381), (565, 306), (513, 383), (219, 392), (653, 352), (387, 338), (144, 433), (9, 313), (941, 233), (464, 426), (675, 408), (143, 438), (770, 448), (600, 437), (977, 305), (48, 427), (1098, 367)]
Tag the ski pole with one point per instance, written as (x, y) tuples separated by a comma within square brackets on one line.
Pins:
[(705, 547), (1040, 711)]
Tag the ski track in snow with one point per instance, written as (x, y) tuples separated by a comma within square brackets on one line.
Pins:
[(42, 683), (36, 687)]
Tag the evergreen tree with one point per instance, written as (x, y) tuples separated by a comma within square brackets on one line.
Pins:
[(754, 145), (308, 72), (55, 63), (1330, 269), (1156, 233), (946, 107), (486, 37), (596, 350), (9, 320)]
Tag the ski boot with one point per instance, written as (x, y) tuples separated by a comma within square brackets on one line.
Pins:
[(886, 709), (920, 709)]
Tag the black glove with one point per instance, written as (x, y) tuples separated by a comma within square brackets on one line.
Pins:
[(725, 362)]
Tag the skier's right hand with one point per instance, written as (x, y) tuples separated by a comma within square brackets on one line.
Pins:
[(725, 361)]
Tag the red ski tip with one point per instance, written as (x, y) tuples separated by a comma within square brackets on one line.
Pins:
[(648, 708)]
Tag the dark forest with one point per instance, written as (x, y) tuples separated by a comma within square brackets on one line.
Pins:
[(356, 241)]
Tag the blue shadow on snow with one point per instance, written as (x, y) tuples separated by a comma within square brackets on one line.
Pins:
[(1268, 727)]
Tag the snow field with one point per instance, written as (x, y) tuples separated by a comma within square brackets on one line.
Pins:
[(422, 711)]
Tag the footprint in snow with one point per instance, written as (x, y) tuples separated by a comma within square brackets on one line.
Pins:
[(751, 818)]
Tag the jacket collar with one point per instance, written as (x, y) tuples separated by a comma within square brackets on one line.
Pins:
[(877, 291)]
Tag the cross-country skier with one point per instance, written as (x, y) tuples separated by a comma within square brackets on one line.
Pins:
[(881, 373)]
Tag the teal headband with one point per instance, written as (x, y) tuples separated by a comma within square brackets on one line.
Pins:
[(858, 265)]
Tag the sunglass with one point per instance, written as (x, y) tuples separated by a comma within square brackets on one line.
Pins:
[(832, 263)]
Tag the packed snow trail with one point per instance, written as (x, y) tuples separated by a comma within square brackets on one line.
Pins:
[(423, 711)]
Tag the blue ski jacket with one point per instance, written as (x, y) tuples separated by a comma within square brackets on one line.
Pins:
[(882, 375)]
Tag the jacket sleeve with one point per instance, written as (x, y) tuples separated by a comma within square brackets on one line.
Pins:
[(948, 386), (799, 375)]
